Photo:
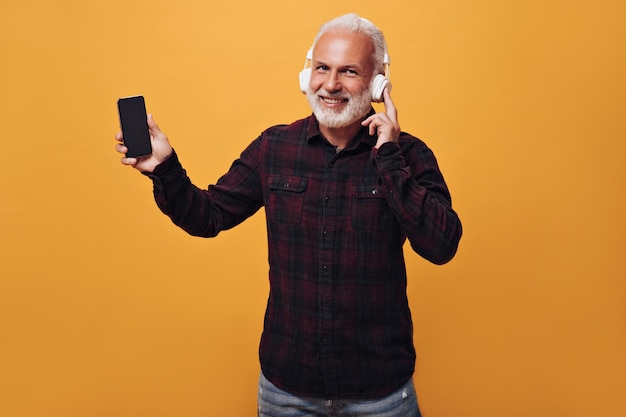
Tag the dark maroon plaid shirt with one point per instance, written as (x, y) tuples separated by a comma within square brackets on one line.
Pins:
[(337, 323)]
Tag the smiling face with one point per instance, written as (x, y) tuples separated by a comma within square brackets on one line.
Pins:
[(341, 70)]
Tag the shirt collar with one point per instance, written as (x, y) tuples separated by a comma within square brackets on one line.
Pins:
[(313, 130)]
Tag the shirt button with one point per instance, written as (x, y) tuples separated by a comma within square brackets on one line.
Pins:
[(324, 268), (324, 339), (374, 191), (325, 233)]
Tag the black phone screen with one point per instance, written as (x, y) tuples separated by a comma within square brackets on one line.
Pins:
[(134, 124)]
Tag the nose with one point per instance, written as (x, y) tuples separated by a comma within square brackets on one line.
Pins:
[(332, 82)]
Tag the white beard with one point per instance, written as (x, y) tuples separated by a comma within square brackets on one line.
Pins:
[(358, 106)]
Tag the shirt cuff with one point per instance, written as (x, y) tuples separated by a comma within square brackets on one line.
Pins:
[(168, 169), (388, 157)]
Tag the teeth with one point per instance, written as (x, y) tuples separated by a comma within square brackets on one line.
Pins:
[(332, 101)]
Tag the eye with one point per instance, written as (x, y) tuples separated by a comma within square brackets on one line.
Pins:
[(321, 68), (350, 72)]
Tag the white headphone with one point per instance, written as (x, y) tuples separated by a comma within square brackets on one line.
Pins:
[(377, 86)]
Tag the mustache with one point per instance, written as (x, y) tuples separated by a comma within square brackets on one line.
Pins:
[(334, 94)]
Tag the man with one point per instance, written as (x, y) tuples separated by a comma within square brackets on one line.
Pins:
[(342, 190)]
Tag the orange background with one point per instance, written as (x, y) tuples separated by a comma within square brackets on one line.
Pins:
[(107, 309)]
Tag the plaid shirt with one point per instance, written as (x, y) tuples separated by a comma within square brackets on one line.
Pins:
[(337, 323)]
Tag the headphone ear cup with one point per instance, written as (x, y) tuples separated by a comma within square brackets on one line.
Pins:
[(379, 83), (305, 80)]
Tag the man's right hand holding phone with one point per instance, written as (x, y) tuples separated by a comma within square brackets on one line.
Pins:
[(161, 149)]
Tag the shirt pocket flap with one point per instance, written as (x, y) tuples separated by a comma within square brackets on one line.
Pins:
[(286, 183)]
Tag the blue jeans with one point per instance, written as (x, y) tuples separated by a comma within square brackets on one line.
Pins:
[(274, 402)]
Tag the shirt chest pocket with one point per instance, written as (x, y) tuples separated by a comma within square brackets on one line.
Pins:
[(286, 198), (370, 210)]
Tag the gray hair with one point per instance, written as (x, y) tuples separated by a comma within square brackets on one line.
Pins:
[(355, 24)]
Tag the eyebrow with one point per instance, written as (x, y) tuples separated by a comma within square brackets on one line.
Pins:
[(347, 66)]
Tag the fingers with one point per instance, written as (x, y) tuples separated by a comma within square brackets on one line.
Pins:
[(120, 148), (390, 110), (152, 126), (382, 120), (129, 161), (390, 107), (374, 122), (378, 123), (384, 124)]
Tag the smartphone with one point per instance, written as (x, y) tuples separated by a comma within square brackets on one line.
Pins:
[(134, 124)]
